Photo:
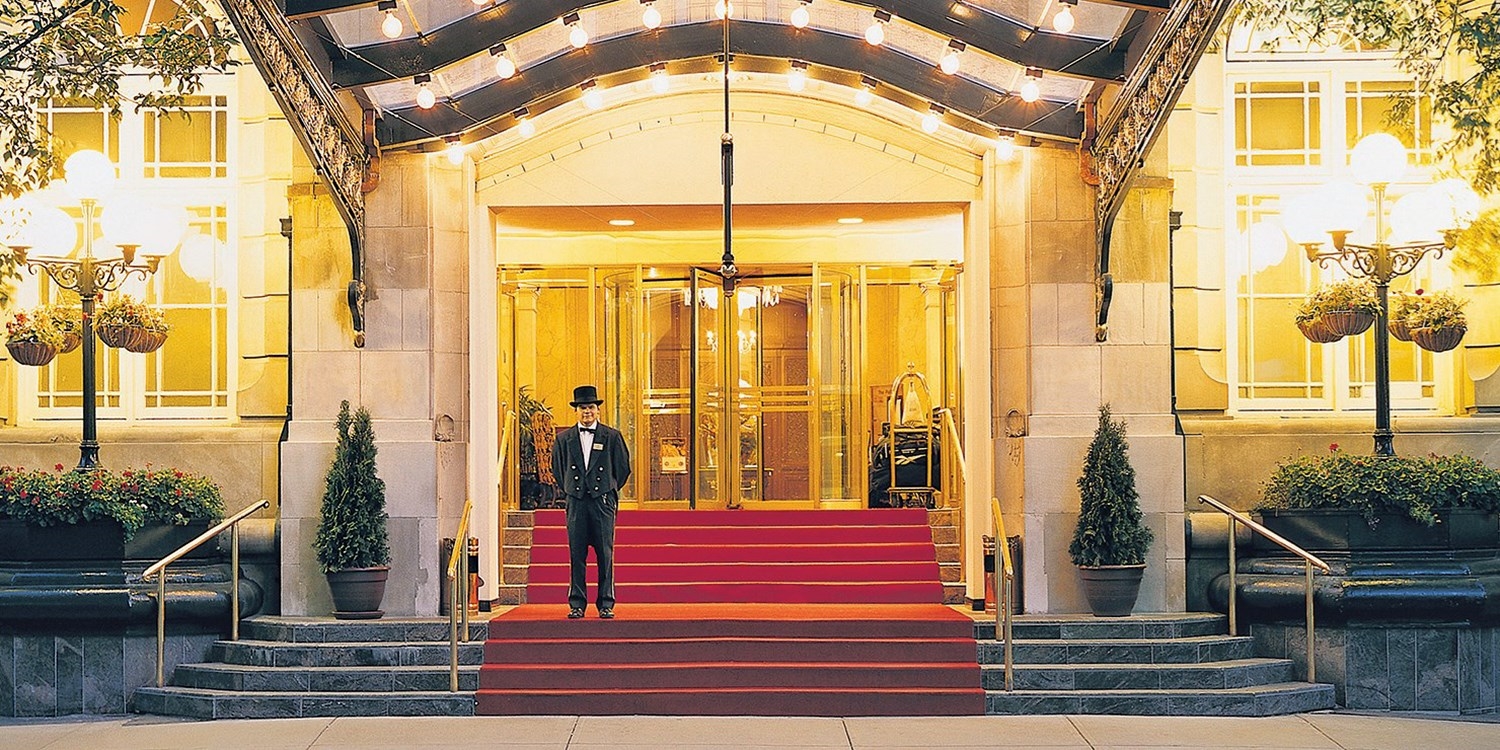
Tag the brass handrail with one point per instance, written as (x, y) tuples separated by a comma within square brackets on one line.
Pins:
[(458, 563), (1309, 561), (1004, 618), (159, 569)]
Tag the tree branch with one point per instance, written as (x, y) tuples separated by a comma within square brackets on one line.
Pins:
[(41, 29)]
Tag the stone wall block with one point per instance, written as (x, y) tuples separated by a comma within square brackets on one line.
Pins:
[(1075, 314), (396, 384), (1065, 379), (416, 320)]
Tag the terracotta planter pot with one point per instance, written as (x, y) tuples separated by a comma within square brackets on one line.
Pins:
[(1348, 322), (32, 353), (1112, 589), (357, 592), (1317, 331), (1438, 339), (143, 341), (1399, 330)]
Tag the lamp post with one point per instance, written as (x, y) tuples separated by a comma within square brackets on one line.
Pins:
[(1378, 160), (89, 176)]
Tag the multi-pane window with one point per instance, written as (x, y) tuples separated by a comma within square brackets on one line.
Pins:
[(1293, 127), (177, 160), (76, 125)]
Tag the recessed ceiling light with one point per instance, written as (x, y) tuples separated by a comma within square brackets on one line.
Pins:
[(851, 220), (622, 222)]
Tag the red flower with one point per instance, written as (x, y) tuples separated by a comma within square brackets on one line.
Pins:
[(1419, 291), (57, 467), (1333, 447)]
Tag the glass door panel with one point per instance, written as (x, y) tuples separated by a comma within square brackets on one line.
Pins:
[(837, 356), (666, 404), (711, 460), (773, 396)]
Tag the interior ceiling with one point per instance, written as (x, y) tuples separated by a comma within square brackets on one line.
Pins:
[(451, 40), (747, 216)]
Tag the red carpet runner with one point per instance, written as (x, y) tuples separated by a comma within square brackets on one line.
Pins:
[(750, 613)]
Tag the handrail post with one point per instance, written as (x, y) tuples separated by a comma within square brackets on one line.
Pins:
[(161, 626), (1234, 622), (453, 634), (1312, 666), (234, 586)]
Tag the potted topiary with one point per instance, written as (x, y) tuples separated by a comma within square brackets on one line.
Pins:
[(32, 339), (1436, 321), (1110, 542), (352, 543)]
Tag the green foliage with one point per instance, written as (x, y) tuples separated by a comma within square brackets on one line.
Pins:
[(352, 531), (133, 497), (1110, 530), (125, 310), (1414, 486), (1450, 47), (33, 326), (1351, 294), (1438, 310), (527, 407), (75, 50)]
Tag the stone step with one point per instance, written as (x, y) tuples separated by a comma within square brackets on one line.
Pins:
[(342, 654), (1235, 673), (1190, 650), (245, 678), (1260, 700), (1162, 626), (227, 704), (386, 630), (511, 593)]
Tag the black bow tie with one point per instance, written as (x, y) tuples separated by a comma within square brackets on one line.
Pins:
[(589, 430)]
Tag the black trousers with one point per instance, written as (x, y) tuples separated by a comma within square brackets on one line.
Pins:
[(591, 523)]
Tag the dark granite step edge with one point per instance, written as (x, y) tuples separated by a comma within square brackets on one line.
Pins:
[(217, 704), (1267, 700)]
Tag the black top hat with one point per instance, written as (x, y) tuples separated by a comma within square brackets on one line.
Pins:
[(585, 394)]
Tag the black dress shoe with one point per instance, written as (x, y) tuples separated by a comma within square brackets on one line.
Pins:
[(606, 614), (575, 614)]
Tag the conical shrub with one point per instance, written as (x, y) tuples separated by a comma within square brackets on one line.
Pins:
[(1110, 529), (352, 530)]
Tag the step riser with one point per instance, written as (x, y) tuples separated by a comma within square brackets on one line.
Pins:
[(557, 554), (709, 677), (149, 700), (685, 629), (787, 703), (750, 593), (722, 650), (350, 632), (264, 680), (294, 655), (751, 519), (1165, 652), (1024, 630), (1197, 678), (630, 536), (1272, 703), (828, 573)]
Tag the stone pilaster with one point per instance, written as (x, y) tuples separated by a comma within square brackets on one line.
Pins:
[(411, 374)]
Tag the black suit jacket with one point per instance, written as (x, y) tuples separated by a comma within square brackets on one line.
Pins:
[(608, 467)]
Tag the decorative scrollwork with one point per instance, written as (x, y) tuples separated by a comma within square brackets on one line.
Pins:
[(89, 277), (1381, 262)]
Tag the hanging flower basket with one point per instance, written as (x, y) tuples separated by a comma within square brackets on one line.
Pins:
[(31, 353), (70, 342), (145, 340), (1399, 329), (1348, 322), (115, 335), (1438, 339), (1317, 331)]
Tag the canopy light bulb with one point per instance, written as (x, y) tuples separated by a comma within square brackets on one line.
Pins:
[(659, 81), (1064, 20), (930, 123), (455, 152), (526, 127), (593, 98), (801, 16), (875, 34), (864, 96), (1030, 91), (1005, 148), (425, 98), (723, 9), (504, 66), (578, 37), (651, 17), (797, 79), (391, 27), (949, 64)]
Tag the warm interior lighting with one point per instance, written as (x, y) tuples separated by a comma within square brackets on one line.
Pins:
[(1031, 90), (650, 17), (659, 81), (524, 125), (1005, 147), (932, 119), (865, 94), (723, 9), (622, 222), (425, 98), (455, 152), (1064, 20), (88, 175), (801, 16), (875, 33), (504, 66), (576, 35), (390, 26), (851, 220), (593, 98), (1378, 159), (949, 63), (796, 79)]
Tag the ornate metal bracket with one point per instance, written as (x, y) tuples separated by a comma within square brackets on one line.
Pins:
[(336, 148), (1138, 118)]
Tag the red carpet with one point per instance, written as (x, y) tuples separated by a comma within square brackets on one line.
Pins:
[(786, 613)]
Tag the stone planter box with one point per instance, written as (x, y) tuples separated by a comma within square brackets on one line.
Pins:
[(1340, 530), (97, 540)]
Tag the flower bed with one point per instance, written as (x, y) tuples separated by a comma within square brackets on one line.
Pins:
[(133, 497)]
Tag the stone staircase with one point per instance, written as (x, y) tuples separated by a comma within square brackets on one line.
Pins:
[(1164, 665), (516, 555), (285, 667)]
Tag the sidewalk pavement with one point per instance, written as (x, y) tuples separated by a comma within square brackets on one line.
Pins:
[(1323, 731)]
